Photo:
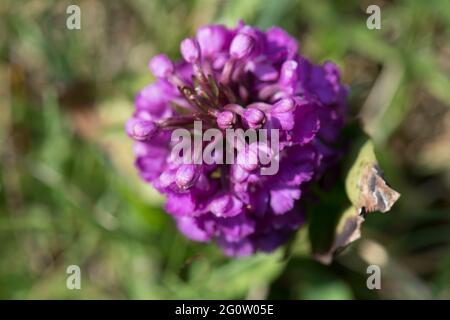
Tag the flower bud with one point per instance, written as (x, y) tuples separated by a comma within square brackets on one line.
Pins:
[(161, 66), (254, 118), (141, 130), (226, 119), (242, 46), (186, 176), (213, 39), (190, 50)]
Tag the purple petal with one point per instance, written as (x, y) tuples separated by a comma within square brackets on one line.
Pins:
[(189, 227), (282, 200)]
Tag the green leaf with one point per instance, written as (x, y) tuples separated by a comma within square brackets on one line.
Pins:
[(365, 185), (367, 191), (348, 229), (366, 157)]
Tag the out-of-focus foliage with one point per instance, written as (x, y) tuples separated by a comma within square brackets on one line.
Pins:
[(69, 193)]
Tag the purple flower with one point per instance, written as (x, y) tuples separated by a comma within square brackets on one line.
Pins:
[(238, 79)]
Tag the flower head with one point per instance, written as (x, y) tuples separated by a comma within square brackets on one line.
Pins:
[(241, 78)]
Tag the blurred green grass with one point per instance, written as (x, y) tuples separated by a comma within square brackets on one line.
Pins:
[(69, 193)]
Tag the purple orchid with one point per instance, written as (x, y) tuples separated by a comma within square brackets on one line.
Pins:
[(239, 78)]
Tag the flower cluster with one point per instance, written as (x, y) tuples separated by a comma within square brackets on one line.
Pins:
[(239, 78)]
